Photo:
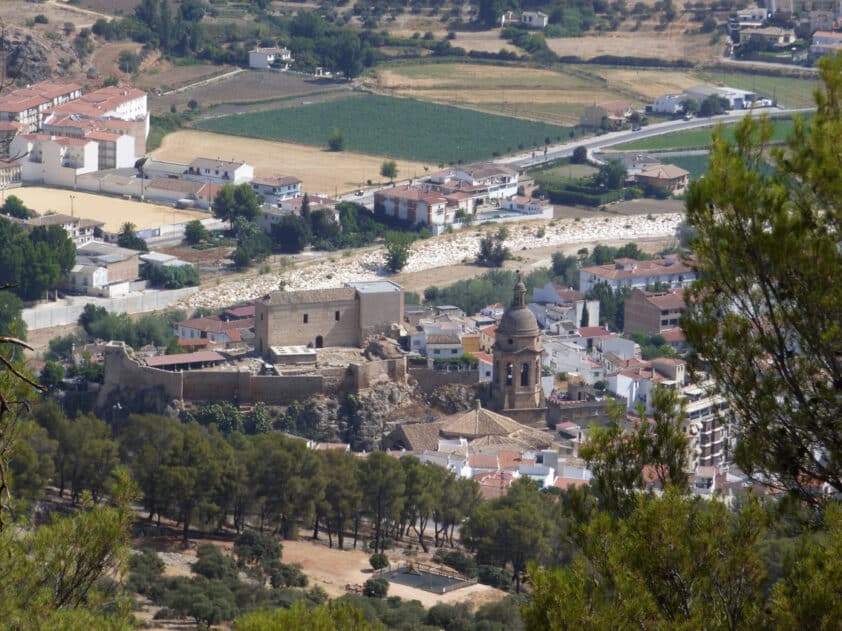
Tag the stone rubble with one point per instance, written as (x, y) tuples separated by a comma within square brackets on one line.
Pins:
[(445, 250)]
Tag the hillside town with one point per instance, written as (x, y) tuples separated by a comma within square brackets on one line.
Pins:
[(465, 316)]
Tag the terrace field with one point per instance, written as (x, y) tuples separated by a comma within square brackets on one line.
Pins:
[(400, 128)]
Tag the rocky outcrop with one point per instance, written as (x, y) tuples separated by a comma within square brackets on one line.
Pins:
[(27, 61), (454, 397)]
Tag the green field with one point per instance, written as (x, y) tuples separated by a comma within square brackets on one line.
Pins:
[(697, 138), (788, 91), (400, 128), (696, 165)]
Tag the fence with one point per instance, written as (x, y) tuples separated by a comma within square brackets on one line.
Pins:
[(68, 310)]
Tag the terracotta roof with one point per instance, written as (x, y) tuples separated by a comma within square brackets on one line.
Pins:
[(568, 294), (412, 193), (570, 483), (480, 423), (670, 300), (489, 330), (215, 325), (485, 357), (593, 331), (241, 312), (104, 136), (417, 436), (311, 296), (494, 484), (184, 358), (276, 180), (188, 187), (673, 335), (642, 269), (663, 172), (483, 461)]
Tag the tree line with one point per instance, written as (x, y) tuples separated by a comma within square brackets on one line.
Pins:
[(34, 261)]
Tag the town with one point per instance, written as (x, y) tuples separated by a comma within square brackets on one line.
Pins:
[(452, 316)]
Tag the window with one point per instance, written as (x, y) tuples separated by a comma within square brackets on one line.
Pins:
[(437, 352), (336, 316), (261, 317), (306, 318), (453, 351), (524, 374), (508, 374)]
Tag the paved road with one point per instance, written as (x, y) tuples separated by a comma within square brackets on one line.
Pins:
[(597, 143)]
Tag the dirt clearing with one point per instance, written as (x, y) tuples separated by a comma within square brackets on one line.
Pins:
[(111, 210), (321, 171), (333, 569), (672, 44)]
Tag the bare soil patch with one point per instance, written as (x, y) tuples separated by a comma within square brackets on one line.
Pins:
[(321, 171), (113, 7), (163, 75), (17, 12), (106, 58), (333, 569), (113, 211), (248, 87), (483, 41)]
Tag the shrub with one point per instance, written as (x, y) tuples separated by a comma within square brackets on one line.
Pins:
[(41, 19), (376, 588), (378, 561), (495, 577), (460, 562)]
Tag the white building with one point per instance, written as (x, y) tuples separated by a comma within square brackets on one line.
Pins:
[(670, 271), (528, 206), (737, 99), (219, 171), (28, 105), (54, 161), (265, 58), (483, 180), (669, 104), (527, 19), (414, 205), (277, 188), (635, 384)]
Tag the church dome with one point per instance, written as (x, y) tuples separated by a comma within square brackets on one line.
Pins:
[(518, 319)]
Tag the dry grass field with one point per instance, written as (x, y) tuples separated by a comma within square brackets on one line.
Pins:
[(672, 44), (545, 95), (105, 58), (17, 12), (164, 75), (321, 171), (113, 211), (483, 41)]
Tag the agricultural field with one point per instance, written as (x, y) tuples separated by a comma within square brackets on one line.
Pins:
[(114, 211), (164, 75), (321, 171), (245, 89), (19, 12), (789, 91), (671, 45), (698, 138), (401, 128), (552, 96), (557, 96)]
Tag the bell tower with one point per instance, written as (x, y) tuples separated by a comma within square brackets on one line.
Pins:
[(516, 388)]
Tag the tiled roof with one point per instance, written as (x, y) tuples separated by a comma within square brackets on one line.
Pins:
[(669, 300), (419, 436), (593, 331), (215, 325), (412, 193), (210, 163), (184, 358), (276, 180), (443, 338), (642, 269), (663, 172)]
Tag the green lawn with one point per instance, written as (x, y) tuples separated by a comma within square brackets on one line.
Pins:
[(400, 128), (697, 138), (789, 91)]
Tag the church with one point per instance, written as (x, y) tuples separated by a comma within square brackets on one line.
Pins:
[(516, 388)]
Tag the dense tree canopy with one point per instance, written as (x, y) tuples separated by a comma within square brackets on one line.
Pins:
[(34, 262), (765, 313)]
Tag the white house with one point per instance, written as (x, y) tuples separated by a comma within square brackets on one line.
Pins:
[(414, 205), (219, 171), (276, 188), (483, 180), (527, 19), (670, 270), (54, 161), (443, 346), (528, 206), (635, 384), (265, 58), (669, 104)]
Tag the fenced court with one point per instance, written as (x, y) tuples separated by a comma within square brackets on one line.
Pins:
[(436, 579)]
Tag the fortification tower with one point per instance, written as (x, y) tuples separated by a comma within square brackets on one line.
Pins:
[(516, 387)]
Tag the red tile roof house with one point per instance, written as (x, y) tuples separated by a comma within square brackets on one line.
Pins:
[(213, 329), (670, 270)]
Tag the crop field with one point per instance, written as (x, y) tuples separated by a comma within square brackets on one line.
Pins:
[(556, 96), (789, 91), (164, 75), (321, 171), (698, 138), (400, 128)]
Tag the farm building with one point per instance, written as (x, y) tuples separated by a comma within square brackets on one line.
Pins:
[(265, 58), (219, 171)]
